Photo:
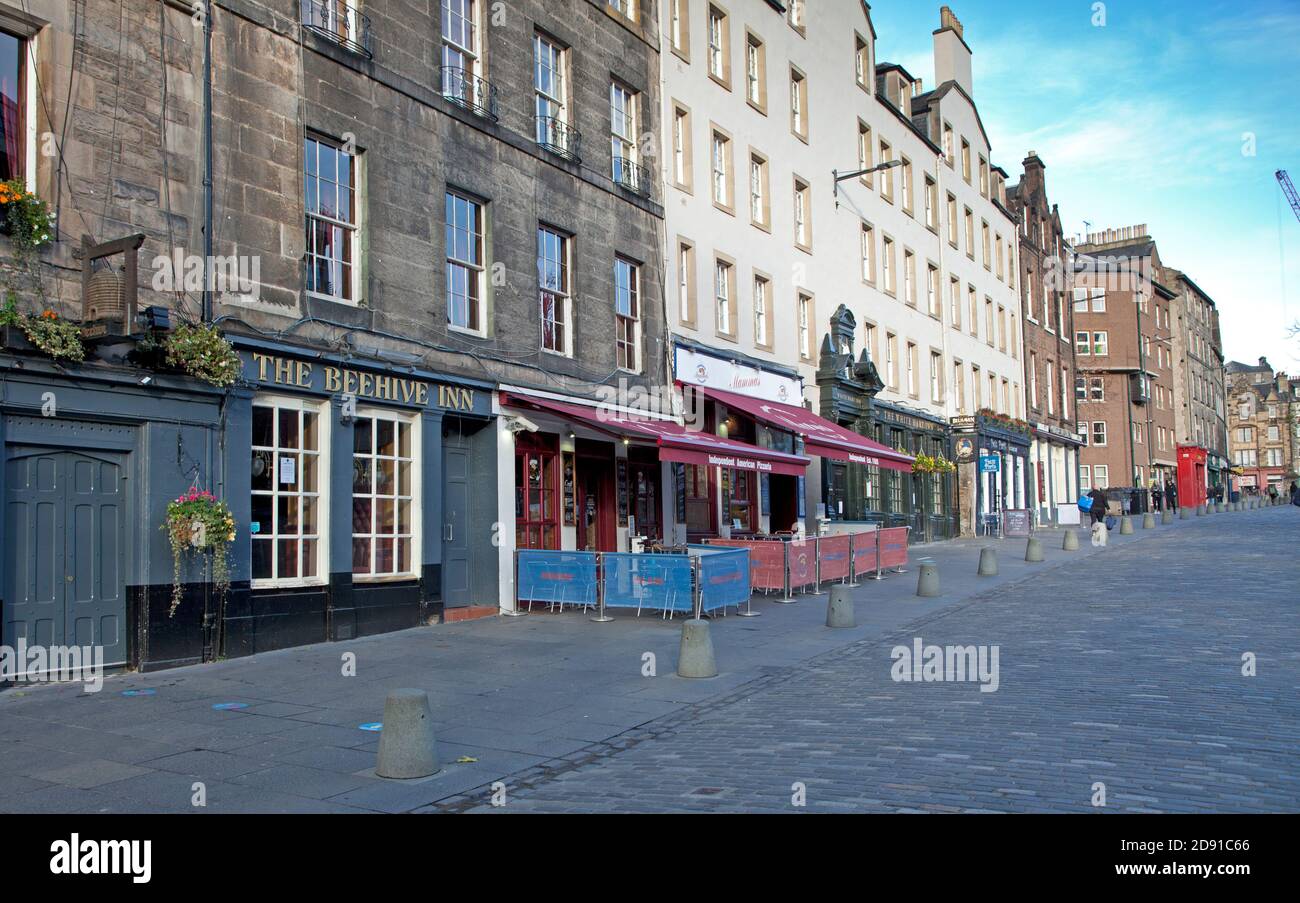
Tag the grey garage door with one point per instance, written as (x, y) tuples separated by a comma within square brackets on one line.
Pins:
[(65, 553)]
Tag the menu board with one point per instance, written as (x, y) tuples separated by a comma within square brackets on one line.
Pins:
[(570, 503), (1016, 522), (621, 465)]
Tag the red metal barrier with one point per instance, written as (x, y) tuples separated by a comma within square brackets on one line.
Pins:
[(766, 562), (893, 547), (864, 553), (803, 563), (833, 553)]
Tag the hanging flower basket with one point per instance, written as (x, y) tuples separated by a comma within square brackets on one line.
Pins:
[(198, 523), (935, 464), (204, 353), (24, 217)]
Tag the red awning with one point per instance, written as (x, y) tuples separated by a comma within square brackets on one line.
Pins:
[(821, 437), (676, 443)]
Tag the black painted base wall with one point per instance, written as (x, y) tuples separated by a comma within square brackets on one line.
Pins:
[(264, 620)]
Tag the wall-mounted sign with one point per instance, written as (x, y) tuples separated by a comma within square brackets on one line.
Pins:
[(695, 368), (965, 450), (567, 479), (990, 463), (369, 385), (621, 467)]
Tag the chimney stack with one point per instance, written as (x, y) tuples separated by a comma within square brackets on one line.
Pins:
[(952, 56)]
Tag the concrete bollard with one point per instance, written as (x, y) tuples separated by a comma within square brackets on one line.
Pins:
[(1220, 508), (1126, 526), (1034, 550), (927, 582), (988, 563), (1166, 516), (1148, 521), (695, 658), (1184, 514), (407, 748), (1071, 543), (839, 610)]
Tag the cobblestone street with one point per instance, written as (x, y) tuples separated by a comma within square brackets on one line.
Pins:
[(1125, 670), (1119, 666)]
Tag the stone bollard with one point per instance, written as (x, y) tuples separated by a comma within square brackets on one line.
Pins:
[(1183, 514), (1126, 526), (927, 582), (988, 563), (407, 748), (695, 658), (1148, 521), (1071, 543), (1034, 550), (1220, 508), (839, 610), (1166, 516)]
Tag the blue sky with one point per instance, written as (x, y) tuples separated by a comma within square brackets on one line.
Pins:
[(1142, 121)]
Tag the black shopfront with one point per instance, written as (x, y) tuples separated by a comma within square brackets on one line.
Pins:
[(860, 493), (364, 497)]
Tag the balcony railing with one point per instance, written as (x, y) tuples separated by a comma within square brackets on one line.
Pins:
[(463, 88), (558, 137), (632, 176), (339, 21)]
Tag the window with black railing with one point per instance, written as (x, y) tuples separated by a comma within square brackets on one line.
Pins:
[(462, 87), (341, 21), (559, 137), (632, 176)]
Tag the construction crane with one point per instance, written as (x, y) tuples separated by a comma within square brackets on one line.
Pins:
[(1289, 190)]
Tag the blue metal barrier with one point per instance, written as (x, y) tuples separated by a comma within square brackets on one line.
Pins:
[(656, 582), (565, 578), (724, 577)]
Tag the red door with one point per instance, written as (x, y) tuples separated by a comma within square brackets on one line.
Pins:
[(597, 515)]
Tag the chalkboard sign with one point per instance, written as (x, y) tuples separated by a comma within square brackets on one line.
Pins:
[(1016, 522), (621, 466), (679, 479), (765, 506), (570, 504)]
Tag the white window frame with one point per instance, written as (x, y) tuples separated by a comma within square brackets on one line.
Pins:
[(277, 403), (413, 424)]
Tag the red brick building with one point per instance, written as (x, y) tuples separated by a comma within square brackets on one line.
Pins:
[(1123, 340)]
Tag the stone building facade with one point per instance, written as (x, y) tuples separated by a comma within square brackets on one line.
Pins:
[(426, 211), (1200, 402), (1263, 433), (1052, 386)]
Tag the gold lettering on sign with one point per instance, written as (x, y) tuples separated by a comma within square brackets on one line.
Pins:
[(262, 361), (381, 387), (283, 370)]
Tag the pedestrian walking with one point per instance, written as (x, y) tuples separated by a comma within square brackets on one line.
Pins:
[(1099, 503), (1171, 494), (1272, 494), (1158, 496)]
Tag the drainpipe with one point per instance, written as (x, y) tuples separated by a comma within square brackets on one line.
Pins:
[(206, 310)]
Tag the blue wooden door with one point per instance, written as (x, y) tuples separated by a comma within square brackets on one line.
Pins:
[(65, 553)]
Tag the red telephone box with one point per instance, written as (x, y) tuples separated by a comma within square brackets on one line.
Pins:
[(1191, 475)]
